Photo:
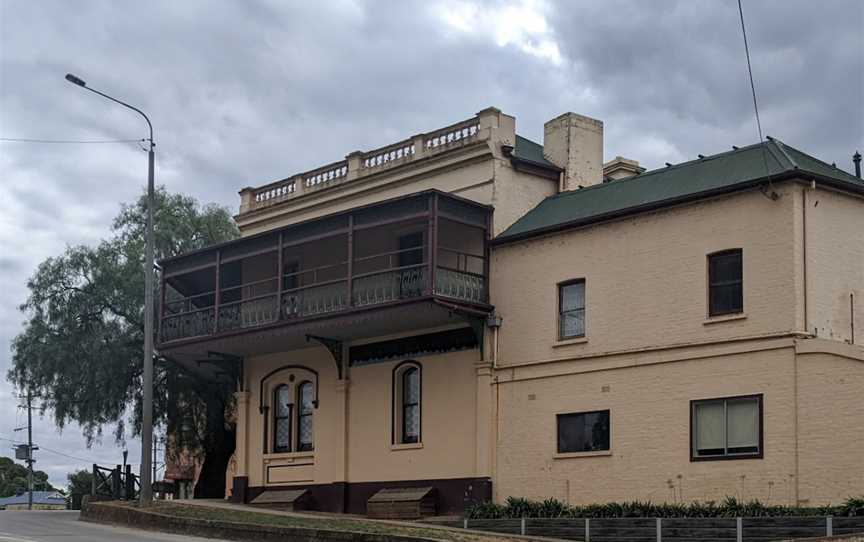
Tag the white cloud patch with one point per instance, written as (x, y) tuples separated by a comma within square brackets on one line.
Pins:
[(520, 24)]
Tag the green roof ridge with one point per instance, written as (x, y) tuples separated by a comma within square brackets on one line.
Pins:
[(736, 167)]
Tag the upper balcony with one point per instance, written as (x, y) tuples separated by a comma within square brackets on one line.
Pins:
[(428, 247)]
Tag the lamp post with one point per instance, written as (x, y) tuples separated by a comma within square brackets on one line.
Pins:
[(147, 414)]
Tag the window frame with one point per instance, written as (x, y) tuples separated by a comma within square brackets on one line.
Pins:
[(302, 446), (275, 448), (711, 284), (559, 452), (397, 410), (560, 313), (759, 454)]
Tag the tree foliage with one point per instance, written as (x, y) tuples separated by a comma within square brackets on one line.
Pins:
[(81, 348), (13, 479)]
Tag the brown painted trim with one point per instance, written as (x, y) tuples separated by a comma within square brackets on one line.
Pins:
[(758, 455), (397, 402), (560, 286), (167, 345), (535, 168), (261, 405)]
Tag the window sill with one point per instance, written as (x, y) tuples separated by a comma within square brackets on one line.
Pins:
[(290, 456), (724, 318), (411, 446), (568, 342), (696, 459), (570, 455)]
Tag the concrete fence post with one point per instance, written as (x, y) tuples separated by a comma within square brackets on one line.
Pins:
[(465, 523), (739, 527), (829, 526), (587, 530), (659, 530), (522, 526)]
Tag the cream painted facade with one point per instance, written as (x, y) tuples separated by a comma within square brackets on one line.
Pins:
[(488, 409)]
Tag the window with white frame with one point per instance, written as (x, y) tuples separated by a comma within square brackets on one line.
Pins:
[(726, 428)]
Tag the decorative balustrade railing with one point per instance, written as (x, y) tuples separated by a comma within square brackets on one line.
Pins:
[(390, 285), (460, 285), (374, 288), (189, 324), (452, 135), (359, 164)]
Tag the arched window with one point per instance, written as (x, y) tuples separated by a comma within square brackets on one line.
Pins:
[(410, 405), (305, 404), (282, 413), (406, 403)]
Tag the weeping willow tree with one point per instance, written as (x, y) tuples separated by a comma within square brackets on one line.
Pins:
[(80, 351)]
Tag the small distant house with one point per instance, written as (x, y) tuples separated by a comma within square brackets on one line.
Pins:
[(42, 500)]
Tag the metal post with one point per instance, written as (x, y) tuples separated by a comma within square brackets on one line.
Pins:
[(522, 526), (829, 526), (739, 530), (659, 530), (465, 523), (147, 407), (587, 530), (29, 451), (149, 314)]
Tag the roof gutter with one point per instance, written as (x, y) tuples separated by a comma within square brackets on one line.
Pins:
[(794, 174)]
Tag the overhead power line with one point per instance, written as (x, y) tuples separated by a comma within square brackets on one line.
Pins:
[(75, 141)]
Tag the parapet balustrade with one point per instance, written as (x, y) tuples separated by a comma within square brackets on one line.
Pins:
[(360, 164)]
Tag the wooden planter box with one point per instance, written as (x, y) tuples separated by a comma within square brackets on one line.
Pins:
[(402, 503)]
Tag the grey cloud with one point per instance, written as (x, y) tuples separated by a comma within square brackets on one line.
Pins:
[(244, 93)]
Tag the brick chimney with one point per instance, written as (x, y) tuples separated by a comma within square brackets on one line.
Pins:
[(575, 143)]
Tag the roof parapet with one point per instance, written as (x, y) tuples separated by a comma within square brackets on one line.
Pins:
[(488, 124)]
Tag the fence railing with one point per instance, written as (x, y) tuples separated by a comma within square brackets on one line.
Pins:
[(114, 484), (359, 164), (756, 529)]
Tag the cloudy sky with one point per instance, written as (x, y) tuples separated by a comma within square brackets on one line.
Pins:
[(242, 93)]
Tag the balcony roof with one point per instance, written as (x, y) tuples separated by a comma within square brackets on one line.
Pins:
[(379, 204)]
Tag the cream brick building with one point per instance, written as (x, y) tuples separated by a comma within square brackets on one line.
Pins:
[(473, 312)]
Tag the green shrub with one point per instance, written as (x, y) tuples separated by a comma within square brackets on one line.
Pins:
[(517, 507)]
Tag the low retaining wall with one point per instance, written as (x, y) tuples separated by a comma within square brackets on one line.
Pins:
[(100, 512)]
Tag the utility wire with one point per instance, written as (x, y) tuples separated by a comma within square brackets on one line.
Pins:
[(24, 140), (773, 195), (750, 70)]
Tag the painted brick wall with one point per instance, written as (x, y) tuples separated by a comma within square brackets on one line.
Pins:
[(650, 432)]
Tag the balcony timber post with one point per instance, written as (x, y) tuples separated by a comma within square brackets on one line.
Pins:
[(350, 270), (432, 241), (279, 276), (218, 292)]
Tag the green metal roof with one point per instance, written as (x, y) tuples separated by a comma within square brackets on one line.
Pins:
[(704, 177), (527, 150)]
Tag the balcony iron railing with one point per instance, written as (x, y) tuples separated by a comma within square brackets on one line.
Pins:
[(355, 282)]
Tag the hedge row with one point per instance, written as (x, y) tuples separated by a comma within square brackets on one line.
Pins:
[(729, 508)]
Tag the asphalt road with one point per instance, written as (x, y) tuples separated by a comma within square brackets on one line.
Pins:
[(63, 526)]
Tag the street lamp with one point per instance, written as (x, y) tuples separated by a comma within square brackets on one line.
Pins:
[(147, 415)]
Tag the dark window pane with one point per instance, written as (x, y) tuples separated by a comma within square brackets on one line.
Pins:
[(725, 283), (584, 432)]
